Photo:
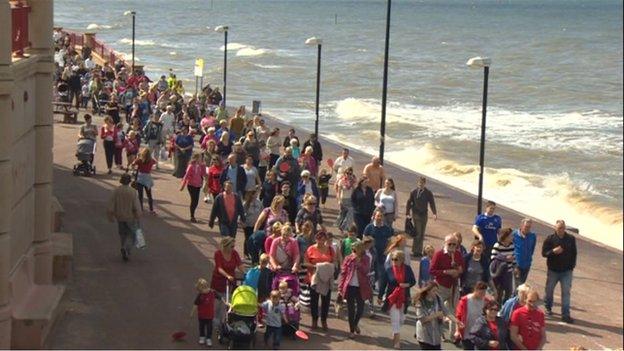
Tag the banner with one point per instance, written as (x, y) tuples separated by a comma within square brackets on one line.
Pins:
[(199, 68)]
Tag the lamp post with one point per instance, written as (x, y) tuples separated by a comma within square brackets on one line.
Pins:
[(481, 62), (317, 41), (224, 30), (133, 13), (384, 94)]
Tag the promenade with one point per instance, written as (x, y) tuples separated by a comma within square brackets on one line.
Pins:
[(115, 305)]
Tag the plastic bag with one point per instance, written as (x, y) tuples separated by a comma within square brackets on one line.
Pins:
[(139, 238)]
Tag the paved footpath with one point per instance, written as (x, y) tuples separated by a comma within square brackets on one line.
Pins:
[(138, 304)]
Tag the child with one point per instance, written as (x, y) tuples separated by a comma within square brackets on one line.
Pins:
[(345, 244), (119, 145), (323, 185), (85, 94), (274, 312), (131, 144), (204, 304), (259, 278), (213, 180), (296, 151), (503, 264), (335, 245), (286, 295), (425, 262)]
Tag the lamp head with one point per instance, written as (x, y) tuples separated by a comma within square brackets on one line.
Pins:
[(221, 29), (479, 62), (314, 41), (127, 13)]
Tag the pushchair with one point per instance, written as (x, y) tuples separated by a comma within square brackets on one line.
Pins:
[(293, 313), (85, 150), (63, 91), (239, 327)]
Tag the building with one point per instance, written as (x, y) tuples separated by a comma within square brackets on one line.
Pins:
[(29, 299)]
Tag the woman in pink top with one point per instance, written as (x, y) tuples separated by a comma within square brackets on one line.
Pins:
[(194, 179), (284, 254), (108, 133)]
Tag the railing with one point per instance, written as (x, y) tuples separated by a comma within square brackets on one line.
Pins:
[(103, 51), (19, 35)]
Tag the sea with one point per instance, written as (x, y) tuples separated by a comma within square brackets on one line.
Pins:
[(554, 145)]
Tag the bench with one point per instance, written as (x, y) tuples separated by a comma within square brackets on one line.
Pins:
[(65, 108)]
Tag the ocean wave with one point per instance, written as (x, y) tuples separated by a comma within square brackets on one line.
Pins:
[(589, 132), (147, 42), (95, 26), (234, 46), (250, 51), (267, 66), (127, 56)]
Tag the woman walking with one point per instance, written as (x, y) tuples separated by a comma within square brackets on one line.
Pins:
[(309, 211), (284, 253), (320, 256), (346, 185), (226, 262), (430, 313), (476, 268), (144, 164), (363, 202), (400, 279), (184, 150), (386, 198), (108, 133), (154, 137), (252, 206), (273, 144), (253, 178), (354, 286), (193, 179)]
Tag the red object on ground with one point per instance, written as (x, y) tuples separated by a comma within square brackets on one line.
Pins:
[(284, 167), (178, 336)]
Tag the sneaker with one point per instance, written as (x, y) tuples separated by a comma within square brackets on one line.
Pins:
[(549, 311), (202, 340), (206, 199), (124, 254), (337, 307), (567, 320), (209, 342)]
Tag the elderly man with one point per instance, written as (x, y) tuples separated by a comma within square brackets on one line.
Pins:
[(235, 174), (228, 208), (124, 207), (317, 151), (527, 328), (375, 173), (447, 265), (341, 163), (560, 252), (287, 168), (524, 245)]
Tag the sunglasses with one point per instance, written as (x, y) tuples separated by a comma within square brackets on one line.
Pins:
[(451, 244), (395, 259), (493, 309)]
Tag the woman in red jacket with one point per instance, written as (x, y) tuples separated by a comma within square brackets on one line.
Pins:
[(354, 286), (108, 133), (469, 309)]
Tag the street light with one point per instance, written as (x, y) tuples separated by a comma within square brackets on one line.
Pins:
[(316, 41), (133, 13), (224, 30), (384, 94), (481, 62)]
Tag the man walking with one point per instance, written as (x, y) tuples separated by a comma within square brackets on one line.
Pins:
[(486, 227), (527, 328), (124, 207), (524, 245), (228, 208), (317, 151), (560, 252), (381, 234), (235, 174), (417, 208), (375, 173)]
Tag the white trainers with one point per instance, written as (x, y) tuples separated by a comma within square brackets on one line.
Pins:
[(209, 342), (202, 340)]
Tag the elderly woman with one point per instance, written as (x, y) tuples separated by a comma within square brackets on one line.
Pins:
[(316, 256), (307, 185), (308, 162), (476, 267), (354, 285), (253, 207), (430, 311), (309, 211), (284, 253), (484, 334), (272, 214), (400, 279)]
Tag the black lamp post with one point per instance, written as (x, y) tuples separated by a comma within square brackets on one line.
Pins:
[(318, 42), (133, 13), (384, 94), (482, 62), (224, 30)]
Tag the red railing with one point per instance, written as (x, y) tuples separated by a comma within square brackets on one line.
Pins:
[(19, 35), (99, 48)]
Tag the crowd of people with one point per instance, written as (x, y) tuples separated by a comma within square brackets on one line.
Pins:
[(275, 187)]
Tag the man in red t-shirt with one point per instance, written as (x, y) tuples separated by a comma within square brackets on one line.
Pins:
[(528, 330)]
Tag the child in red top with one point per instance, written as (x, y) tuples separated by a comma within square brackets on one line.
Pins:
[(132, 147), (213, 180), (205, 306)]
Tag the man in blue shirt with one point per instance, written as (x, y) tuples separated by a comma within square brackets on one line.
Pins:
[(381, 233), (524, 245), (235, 174), (486, 227)]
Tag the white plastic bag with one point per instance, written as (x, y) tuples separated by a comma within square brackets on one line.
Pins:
[(139, 238)]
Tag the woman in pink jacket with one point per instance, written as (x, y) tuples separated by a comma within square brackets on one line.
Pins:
[(194, 179), (354, 286)]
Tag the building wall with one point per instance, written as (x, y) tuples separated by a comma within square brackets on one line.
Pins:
[(25, 176)]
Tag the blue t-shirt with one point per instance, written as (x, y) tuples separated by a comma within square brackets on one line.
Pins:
[(185, 141), (489, 226), (381, 235)]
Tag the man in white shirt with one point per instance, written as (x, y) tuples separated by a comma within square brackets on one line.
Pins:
[(168, 121), (341, 163)]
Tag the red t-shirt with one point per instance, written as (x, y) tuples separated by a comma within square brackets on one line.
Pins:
[(145, 167), (205, 305), (218, 280), (314, 256), (530, 324), (494, 328)]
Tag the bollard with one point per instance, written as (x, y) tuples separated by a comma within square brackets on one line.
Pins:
[(255, 109)]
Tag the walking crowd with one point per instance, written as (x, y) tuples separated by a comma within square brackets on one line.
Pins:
[(275, 187)]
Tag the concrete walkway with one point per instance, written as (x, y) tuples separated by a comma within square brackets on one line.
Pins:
[(117, 305)]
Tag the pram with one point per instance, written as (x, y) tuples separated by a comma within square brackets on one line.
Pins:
[(85, 149), (239, 327), (293, 313), (63, 91)]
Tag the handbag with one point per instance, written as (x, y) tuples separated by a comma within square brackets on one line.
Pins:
[(135, 175), (409, 227), (139, 238)]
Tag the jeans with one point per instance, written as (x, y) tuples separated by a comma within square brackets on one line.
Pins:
[(355, 306), (361, 221), (277, 335), (194, 193), (205, 328), (524, 274), (228, 230), (109, 151), (148, 191), (324, 193), (380, 271), (565, 279), (127, 234), (248, 231), (118, 156), (420, 224), (314, 299)]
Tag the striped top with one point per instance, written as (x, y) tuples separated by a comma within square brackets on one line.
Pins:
[(507, 251)]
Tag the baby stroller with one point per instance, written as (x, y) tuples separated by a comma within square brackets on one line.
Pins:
[(239, 327), (293, 313), (63, 91), (85, 149)]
